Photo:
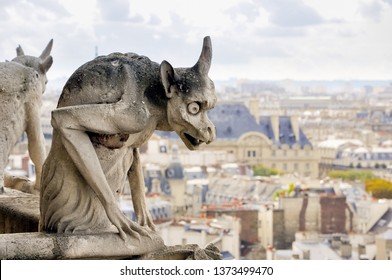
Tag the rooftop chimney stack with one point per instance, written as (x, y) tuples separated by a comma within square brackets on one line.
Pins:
[(275, 127), (295, 126), (254, 109)]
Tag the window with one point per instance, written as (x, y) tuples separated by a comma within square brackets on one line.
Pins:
[(251, 154), (163, 149), (295, 166)]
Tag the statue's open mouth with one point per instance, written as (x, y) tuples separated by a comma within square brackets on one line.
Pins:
[(194, 142)]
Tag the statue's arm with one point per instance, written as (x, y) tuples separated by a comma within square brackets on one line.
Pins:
[(72, 123), (36, 141), (113, 118), (136, 182)]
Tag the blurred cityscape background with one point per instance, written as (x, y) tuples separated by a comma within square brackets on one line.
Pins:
[(299, 170)]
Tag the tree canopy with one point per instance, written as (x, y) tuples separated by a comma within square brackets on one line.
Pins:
[(352, 175), (260, 170), (379, 188)]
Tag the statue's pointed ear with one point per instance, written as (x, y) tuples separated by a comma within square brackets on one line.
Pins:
[(19, 51), (204, 62), (46, 64), (168, 77), (47, 50)]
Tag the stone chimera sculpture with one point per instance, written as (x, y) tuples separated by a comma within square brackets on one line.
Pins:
[(22, 82), (108, 108)]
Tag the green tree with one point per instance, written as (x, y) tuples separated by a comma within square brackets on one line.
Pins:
[(379, 188), (260, 170), (351, 175), (291, 189)]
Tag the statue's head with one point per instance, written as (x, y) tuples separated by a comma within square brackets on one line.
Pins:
[(190, 95), (40, 64)]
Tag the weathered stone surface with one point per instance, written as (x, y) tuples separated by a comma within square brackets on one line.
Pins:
[(22, 83), (184, 252), (19, 212), (29, 246), (109, 107)]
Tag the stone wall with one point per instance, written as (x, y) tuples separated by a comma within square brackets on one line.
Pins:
[(20, 239), (19, 212)]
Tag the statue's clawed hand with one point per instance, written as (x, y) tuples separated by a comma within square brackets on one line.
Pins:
[(126, 227)]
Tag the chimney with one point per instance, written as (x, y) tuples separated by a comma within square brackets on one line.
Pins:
[(270, 253), (302, 213), (275, 126), (295, 126), (254, 109), (346, 250), (306, 254), (361, 250)]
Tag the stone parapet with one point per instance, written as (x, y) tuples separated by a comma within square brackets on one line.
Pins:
[(20, 239), (43, 246), (19, 212)]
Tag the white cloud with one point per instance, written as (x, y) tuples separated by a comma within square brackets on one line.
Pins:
[(371, 10), (289, 13), (114, 10)]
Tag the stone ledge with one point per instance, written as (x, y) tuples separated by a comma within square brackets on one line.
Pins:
[(19, 218), (108, 246), (184, 252), (19, 212), (43, 246)]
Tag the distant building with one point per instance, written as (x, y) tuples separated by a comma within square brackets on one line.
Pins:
[(384, 246), (175, 175), (307, 102), (248, 216), (322, 214), (333, 218), (222, 231), (233, 188), (271, 228), (352, 153)]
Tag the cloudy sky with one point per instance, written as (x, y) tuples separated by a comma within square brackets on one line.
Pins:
[(253, 39)]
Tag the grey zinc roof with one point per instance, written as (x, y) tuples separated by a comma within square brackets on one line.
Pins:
[(383, 224), (287, 136), (232, 120), (175, 170)]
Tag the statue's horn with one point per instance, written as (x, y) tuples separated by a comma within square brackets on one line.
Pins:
[(204, 62), (47, 50), (19, 51)]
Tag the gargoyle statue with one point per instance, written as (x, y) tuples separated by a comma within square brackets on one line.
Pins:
[(22, 83), (108, 108)]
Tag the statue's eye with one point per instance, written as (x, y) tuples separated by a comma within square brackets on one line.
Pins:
[(193, 108)]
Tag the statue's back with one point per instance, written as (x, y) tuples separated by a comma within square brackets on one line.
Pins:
[(103, 79)]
